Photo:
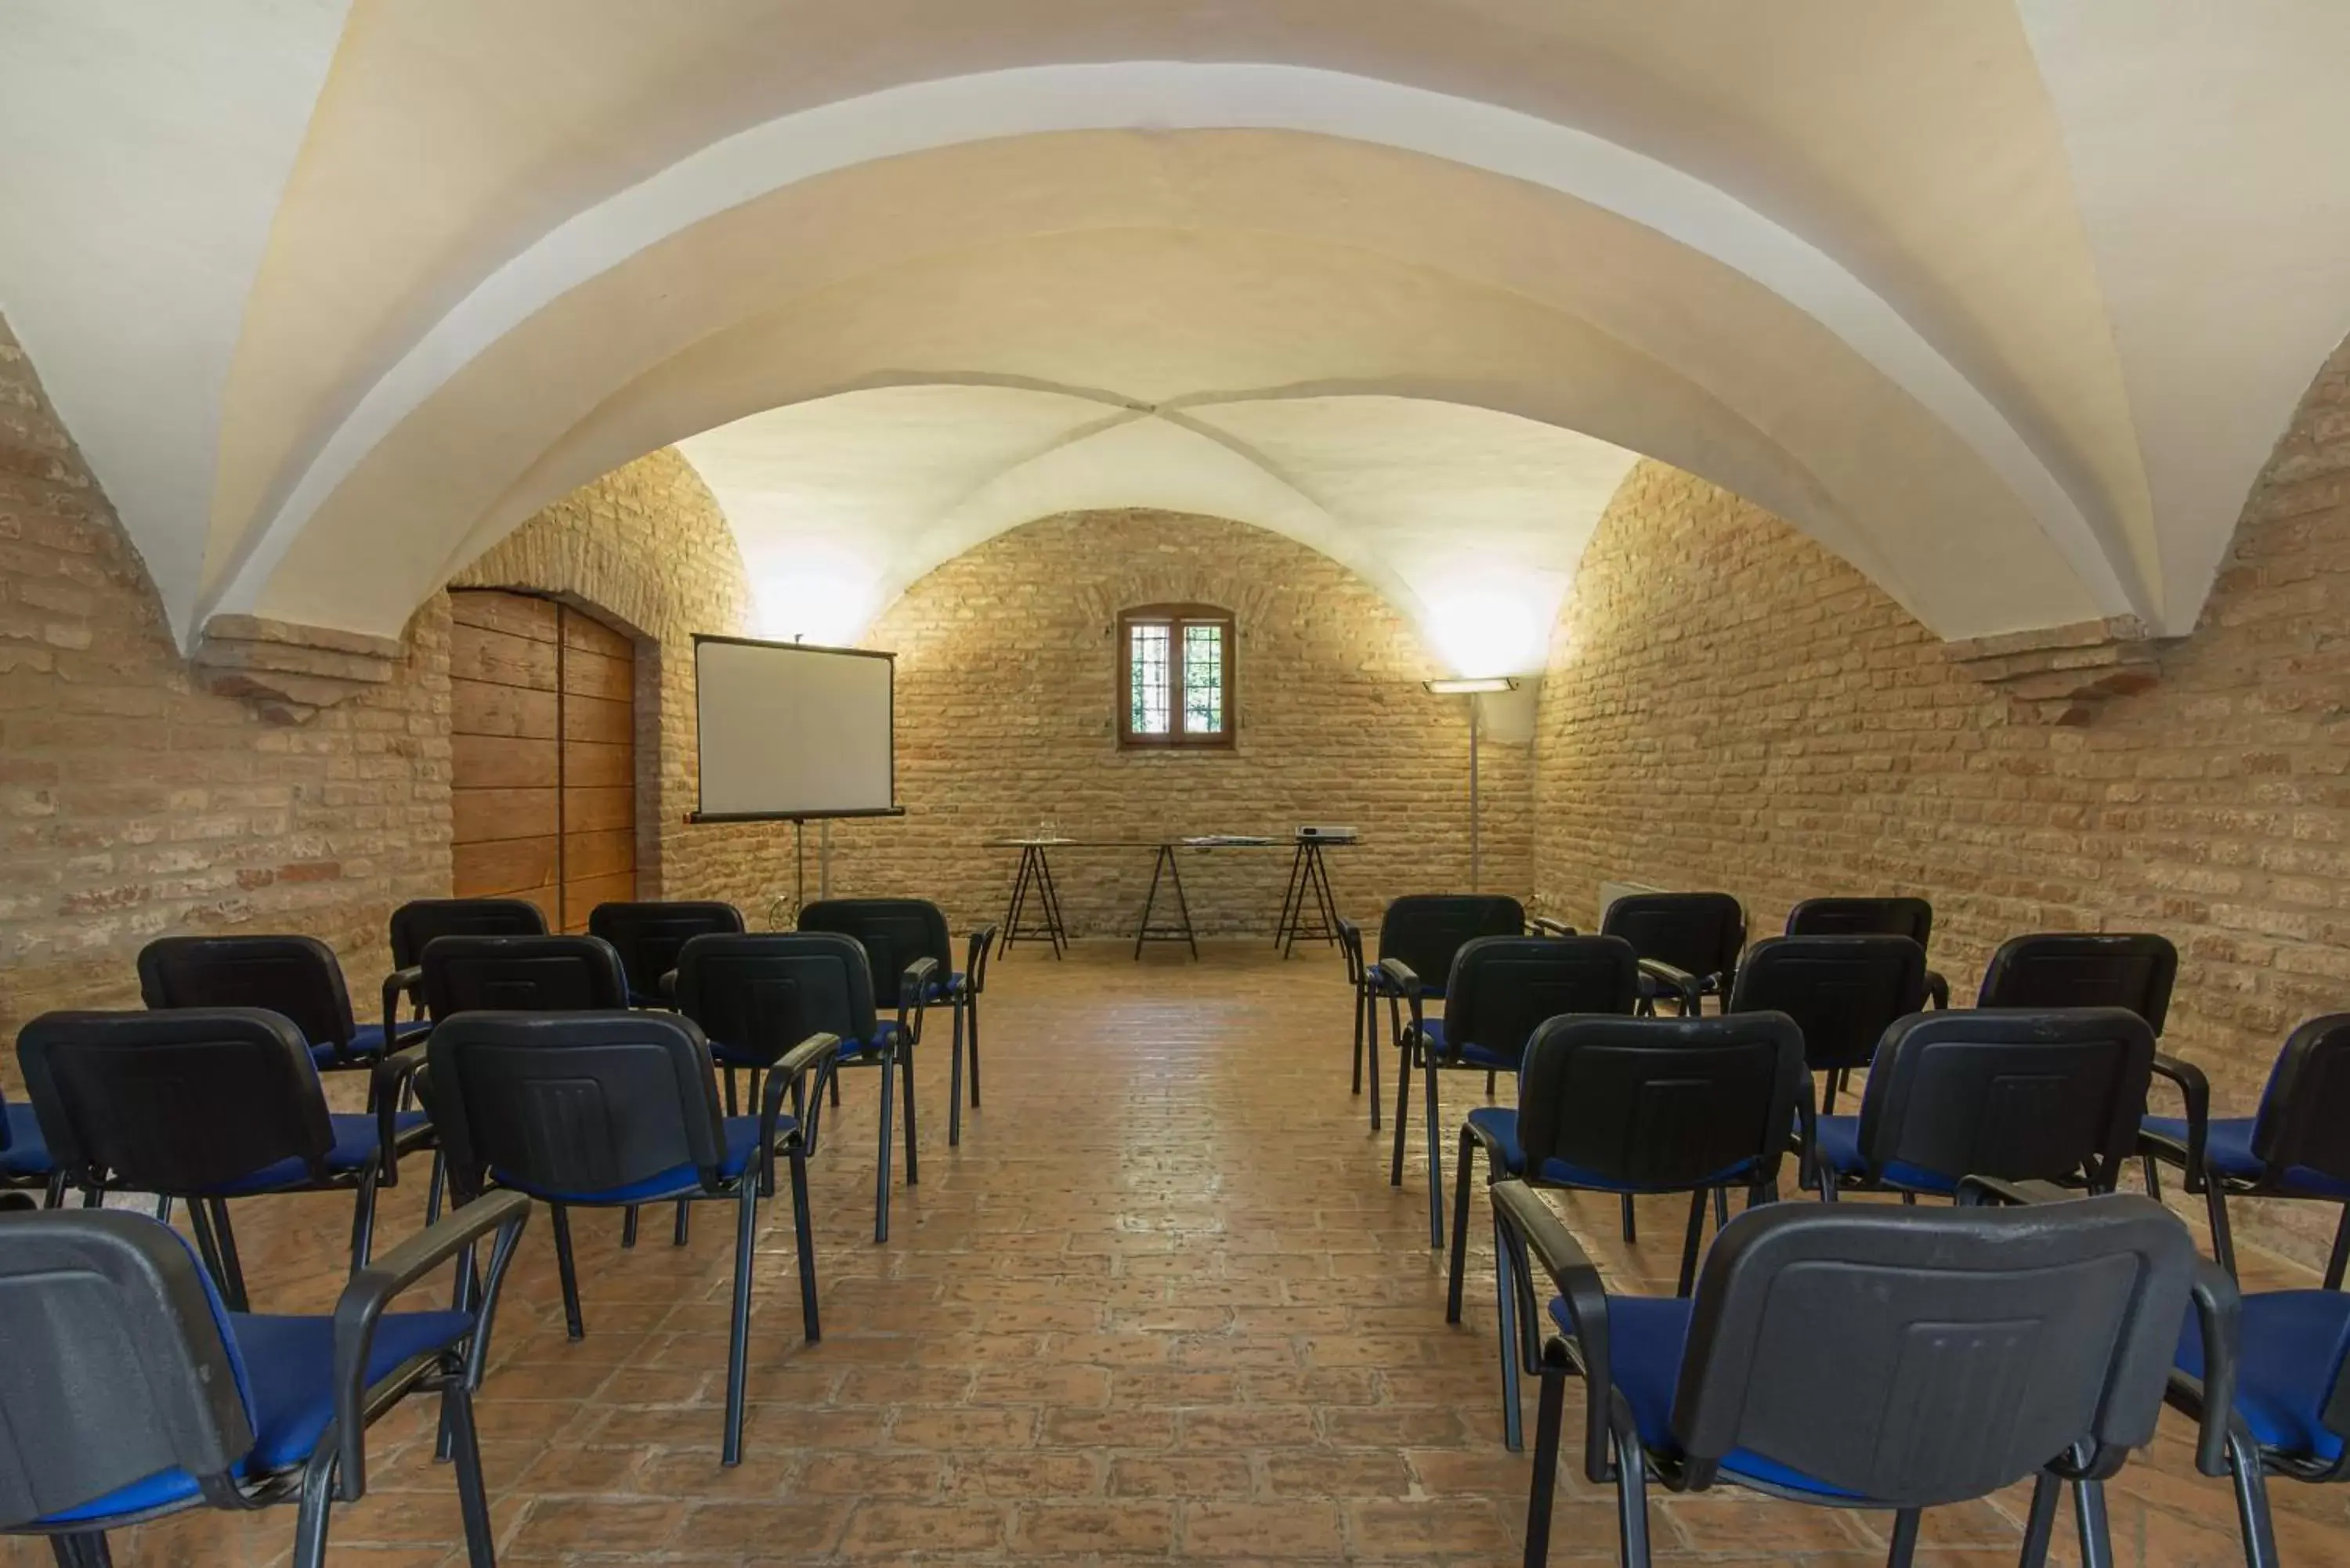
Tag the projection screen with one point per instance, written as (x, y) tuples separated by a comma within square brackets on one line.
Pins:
[(790, 730)]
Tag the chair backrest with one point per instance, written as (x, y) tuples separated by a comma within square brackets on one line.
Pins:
[(1843, 992), (2083, 969), (2304, 1115), (295, 976), (574, 1104), (521, 974), (1427, 930), (1659, 1103), (120, 1365), (2024, 1096), (1350, 948), (419, 921), (1700, 932), (648, 935), (1912, 917), (764, 992), (175, 1102), (895, 931), (1502, 988), (1925, 1355)]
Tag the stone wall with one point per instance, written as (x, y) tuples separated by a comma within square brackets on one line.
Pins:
[(1007, 663), (1729, 706)]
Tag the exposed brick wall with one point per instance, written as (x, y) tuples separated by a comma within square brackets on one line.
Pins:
[(133, 803), (647, 549), (1006, 671), (1729, 705)]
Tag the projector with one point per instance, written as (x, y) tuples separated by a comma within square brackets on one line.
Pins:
[(1328, 835)]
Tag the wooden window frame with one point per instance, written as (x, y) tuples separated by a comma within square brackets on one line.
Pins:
[(1175, 617)]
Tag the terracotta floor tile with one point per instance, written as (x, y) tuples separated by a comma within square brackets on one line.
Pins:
[(1160, 1305)]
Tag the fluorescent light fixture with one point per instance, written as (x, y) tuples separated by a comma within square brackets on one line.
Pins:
[(1473, 684)]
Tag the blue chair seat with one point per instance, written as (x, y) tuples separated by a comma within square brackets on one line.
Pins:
[(367, 1042), (741, 1149), (2228, 1149), (946, 987), (354, 1145), (287, 1367), (1645, 1339), (1471, 1053), (28, 1153), (1500, 1125), (1838, 1146), (2293, 1344)]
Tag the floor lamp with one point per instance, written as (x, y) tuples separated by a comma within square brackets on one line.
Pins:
[(1472, 688)]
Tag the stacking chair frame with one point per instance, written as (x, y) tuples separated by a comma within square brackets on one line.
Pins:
[(868, 920)]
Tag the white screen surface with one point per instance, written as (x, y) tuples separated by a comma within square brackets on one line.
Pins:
[(787, 729)]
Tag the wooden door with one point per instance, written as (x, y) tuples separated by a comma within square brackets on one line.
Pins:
[(544, 734)]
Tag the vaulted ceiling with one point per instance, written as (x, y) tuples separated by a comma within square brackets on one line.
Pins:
[(2006, 301)]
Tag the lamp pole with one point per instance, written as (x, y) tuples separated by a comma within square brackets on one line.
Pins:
[(1471, 688)]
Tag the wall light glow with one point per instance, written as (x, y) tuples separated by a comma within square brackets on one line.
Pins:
[(1485, 630), (816, 599)]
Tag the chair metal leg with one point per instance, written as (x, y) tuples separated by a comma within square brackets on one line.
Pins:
[(2340, 1257), (1435, 1157), (1632, 1499), (436, 1187), (1460, 1226), (1489, 1085), (1549, 1406), (881, 1178), (1721, 1207), (1505, 1311), (208, 1247), (1692, 1240), (684, 1231), (2223, 1239), (913, 1162), (972, 1006), (1359, 1037), (363, 1220), (2097, 1532), (628, 1226), (2040, 1520), (1631, 1225), (465, 1457), (1371, 1055), (234, 1292), (738, 1340), (835, 1091), (2152, 1169), (728, 1073), (2253, 1525), (559, 1218), (310, 1517), (804, 1239), (954, 1081), (82, 1551), (1402, 1114), (1905, 1538)]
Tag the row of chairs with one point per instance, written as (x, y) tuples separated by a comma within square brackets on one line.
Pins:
[(577, 1071), (2047, 1078)]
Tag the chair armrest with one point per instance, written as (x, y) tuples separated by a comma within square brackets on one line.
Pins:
[(788, 1076), (1544, 926), (1995, 1192), (914, 991), (1529, 1219), (2218, 1314), (1686, 985), (408, 983), (384, 1083), (976, 948), (1937, 990), (2195, 1090), (1396, 979), (371, 1289)]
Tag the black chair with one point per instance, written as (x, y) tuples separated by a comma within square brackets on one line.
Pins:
[(1912, 917), (1365, 986), (1689, 944), (612, 1109), (24, 1162), (133, 1392), (1634, 1105), (1868, 1357), (1843, 992), (1424, 933), (2053, 1096), (295, 977), (752, 994), (2082, 968), (521, 974), (415, 924), (647, 936), (207, 1105), (2297, 1144), (1500, 991), (896, 931)]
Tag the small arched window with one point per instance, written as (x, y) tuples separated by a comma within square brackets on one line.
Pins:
[(1175, 676)]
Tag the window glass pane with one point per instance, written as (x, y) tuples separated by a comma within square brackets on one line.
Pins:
[(1203, 680), (1146, 652)]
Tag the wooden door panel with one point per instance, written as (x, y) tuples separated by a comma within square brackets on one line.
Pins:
[(596, 719), (479, 816), (477, 653), (580, 896), (599, 853), (503, 867), (479, 707), (540, 620), (589, 810), (590, 766), (589, 674), (505, 762), (589, 635)]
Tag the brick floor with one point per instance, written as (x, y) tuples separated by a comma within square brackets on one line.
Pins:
[(1162, 1303)]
